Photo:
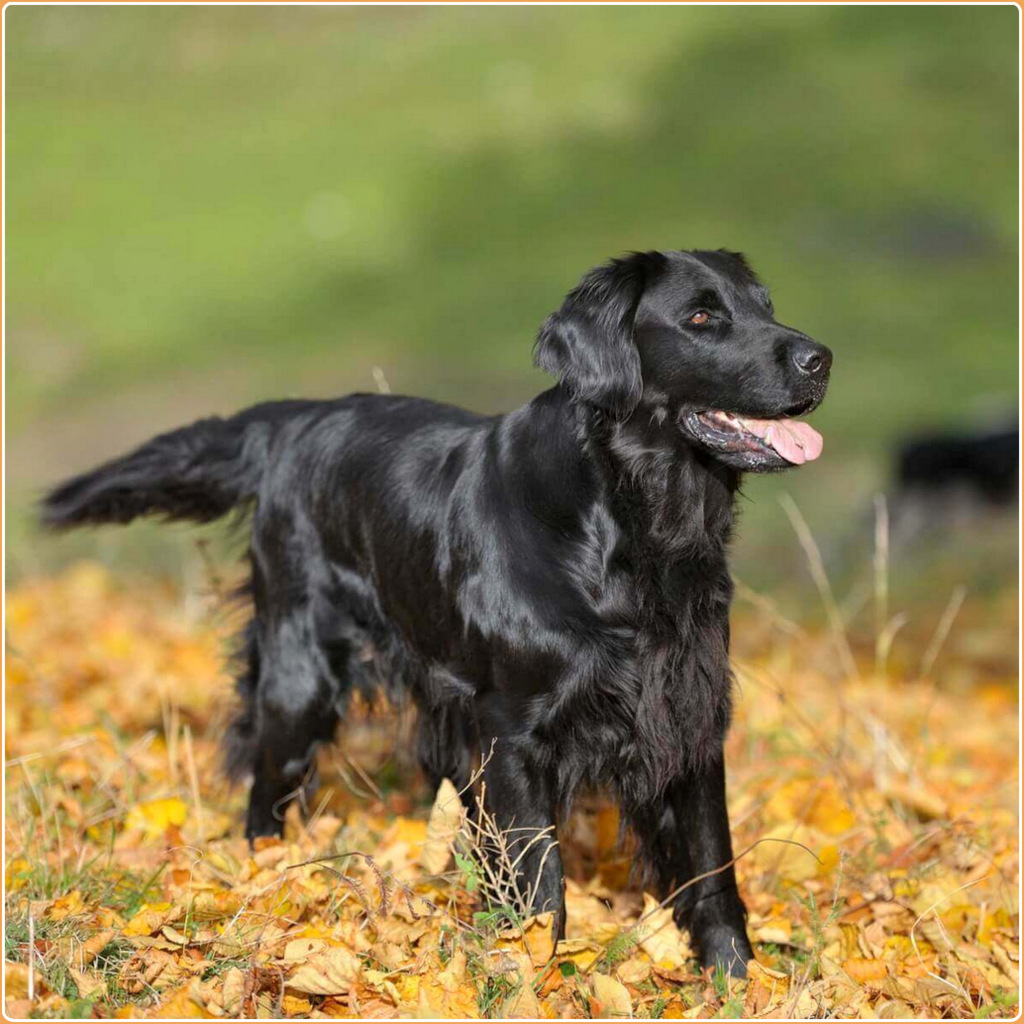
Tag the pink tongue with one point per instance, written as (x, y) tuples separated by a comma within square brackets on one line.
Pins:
[(794, 440)]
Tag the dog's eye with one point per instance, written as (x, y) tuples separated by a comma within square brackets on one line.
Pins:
[(701, 317)]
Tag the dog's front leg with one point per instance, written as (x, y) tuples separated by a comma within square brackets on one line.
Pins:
[(710, 908), (518, 831)]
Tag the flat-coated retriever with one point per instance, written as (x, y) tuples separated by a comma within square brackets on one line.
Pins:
[(549, 585)]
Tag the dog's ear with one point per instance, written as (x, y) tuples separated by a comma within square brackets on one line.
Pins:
[(588, 343)]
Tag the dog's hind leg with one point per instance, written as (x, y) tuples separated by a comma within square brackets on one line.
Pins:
[(296, 710), (298, 693), (240, 739), (446, 747)]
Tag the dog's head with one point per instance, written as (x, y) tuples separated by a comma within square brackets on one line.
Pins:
[(692, 334)]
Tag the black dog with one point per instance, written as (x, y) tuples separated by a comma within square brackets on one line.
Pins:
[(983, 465), (549, 585)]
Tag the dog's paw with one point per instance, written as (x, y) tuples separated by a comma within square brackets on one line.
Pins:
[(726, 950)]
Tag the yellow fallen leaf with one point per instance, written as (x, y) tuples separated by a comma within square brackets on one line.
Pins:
[(180, 1005), (534, 937), (830, 812), (454, 973), (791, 861), (405, 831), (155, 816), (660, 938), (156, 969), (612, 996), (1009, 961), (15, 980), (67, 906), (15, 872), (233, 991), (443, 825), (522, 1004), (773, 929), (926, 804), (94, 945), (865, 970), (212, 906), (425, 1009), (297, 950), (581, 952), (435, 1002), (295, 1006), (636, 970), (89, 984), (765, 989), (174, 936), (327, 971), (151, 918), (408, 987)]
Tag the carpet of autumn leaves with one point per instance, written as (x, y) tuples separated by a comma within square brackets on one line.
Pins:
[(130, 891)]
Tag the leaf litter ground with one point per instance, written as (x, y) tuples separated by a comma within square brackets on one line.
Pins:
[(880, 813)]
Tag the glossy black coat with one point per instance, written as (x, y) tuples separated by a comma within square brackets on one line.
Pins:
[(550, 586)]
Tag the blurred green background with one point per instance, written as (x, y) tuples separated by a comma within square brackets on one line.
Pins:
[(207, 207)]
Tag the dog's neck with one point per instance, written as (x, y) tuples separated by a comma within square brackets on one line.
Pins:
[(665, 492)]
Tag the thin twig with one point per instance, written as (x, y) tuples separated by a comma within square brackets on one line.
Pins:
[(700, 878), (941, 899)]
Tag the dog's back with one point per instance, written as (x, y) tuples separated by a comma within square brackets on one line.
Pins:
[(203, 471)]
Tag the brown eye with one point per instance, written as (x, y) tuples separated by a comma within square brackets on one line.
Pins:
[(701, 317)]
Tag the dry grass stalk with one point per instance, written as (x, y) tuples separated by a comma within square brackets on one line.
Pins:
[(817, 567), (884, 641), (880, 563), (942, 630), (193, 778), (770, 608)]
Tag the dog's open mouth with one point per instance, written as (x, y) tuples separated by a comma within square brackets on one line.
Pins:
[(793, 440)]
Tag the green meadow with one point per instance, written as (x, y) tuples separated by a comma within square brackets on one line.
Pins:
[(207, 207)]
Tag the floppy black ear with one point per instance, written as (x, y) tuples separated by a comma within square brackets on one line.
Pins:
[(588, 343)]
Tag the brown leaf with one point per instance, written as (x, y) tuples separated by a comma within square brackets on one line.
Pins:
[(766, 989), (233, 991)]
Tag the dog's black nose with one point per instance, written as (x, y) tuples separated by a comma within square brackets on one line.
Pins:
[(811, 358)]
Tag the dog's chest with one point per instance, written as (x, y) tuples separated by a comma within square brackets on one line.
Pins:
[(647, 698)]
